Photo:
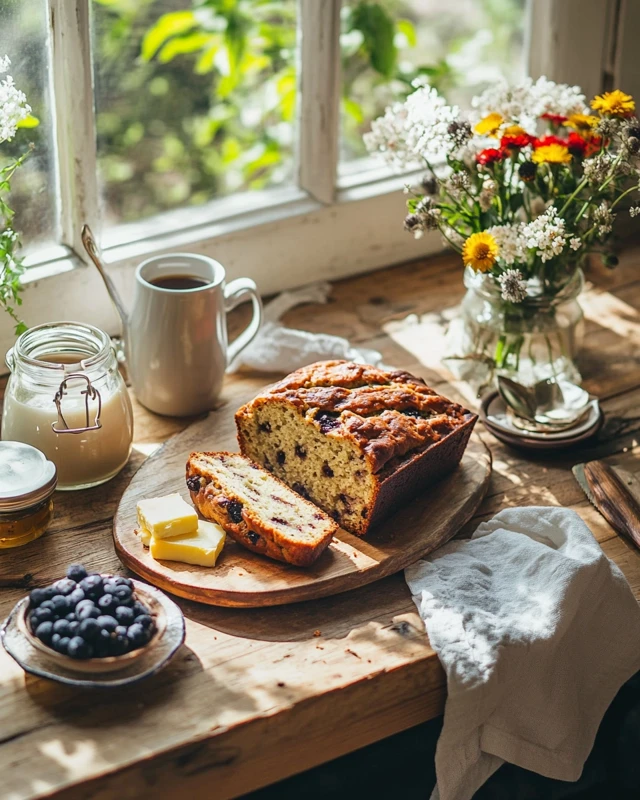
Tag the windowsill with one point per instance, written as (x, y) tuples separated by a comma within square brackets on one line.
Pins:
[(281, 238)]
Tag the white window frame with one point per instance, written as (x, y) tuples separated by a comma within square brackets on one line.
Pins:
[(324, 227)]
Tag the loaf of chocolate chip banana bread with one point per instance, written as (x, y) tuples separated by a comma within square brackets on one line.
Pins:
[(256, 509), (356, 440)]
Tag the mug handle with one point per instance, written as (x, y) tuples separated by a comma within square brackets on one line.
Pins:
[(235, 293)]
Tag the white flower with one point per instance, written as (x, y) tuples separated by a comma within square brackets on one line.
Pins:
[(513, 286), (513, 247), (388, 135), (546, 234), (575, 243), (428, 119), (634, 211), (423, 127), (13, 104), (603, 218)]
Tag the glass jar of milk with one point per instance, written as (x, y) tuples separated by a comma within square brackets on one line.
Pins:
[(66, 397)]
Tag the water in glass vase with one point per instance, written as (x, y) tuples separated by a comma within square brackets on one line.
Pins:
[(530, 341)]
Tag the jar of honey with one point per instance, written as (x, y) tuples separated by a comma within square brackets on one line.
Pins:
[(67, 398), (27, 483)]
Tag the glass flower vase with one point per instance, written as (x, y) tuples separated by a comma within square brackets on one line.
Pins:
[(530, 341)]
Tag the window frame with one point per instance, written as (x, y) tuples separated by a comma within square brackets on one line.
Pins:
[(331, 224)]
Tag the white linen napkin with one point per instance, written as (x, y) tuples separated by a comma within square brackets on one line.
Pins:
[(536, 630), (280, 349)]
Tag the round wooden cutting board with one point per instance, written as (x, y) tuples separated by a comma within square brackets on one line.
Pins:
[(245, 579)]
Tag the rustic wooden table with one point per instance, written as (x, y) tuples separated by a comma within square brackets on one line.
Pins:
[(257, 695)]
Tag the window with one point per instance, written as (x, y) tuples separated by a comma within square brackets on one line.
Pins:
[(192, 103), (233, 127)]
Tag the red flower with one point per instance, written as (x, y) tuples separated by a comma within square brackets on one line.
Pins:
[(516, 141), (490, 156), (545, 141), (557, 119), (583, 147)]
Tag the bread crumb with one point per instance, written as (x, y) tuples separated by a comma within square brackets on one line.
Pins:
[(348, 650), (317, 633)]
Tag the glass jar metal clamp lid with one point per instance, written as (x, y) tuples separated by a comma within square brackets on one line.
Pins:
[(27, 482), (67, 398)]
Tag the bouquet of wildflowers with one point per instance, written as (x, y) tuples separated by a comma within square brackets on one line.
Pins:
[(524, 186)]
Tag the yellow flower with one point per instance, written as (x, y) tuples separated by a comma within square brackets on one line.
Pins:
[(489, 125), (552, 154), (480, 252), (582, 122), (514, 130), (616, 104)]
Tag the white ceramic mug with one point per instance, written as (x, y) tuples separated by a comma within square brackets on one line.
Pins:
[(176, 339)]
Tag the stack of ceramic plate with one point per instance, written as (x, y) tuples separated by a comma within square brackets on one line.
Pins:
[(503, 423)]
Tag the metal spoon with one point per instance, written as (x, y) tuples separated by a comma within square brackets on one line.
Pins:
[(518, 397), (549, 403)]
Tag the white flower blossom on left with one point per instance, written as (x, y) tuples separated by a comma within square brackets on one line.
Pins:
[(13, 104), (546, 234)]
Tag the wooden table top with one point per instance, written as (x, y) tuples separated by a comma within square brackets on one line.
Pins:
[(256, 695)]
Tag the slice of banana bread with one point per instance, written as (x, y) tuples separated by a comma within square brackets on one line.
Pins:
[(256, 509), (354, 439)]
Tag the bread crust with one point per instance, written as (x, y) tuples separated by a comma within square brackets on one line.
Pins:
[(213, 502), (409, 435)]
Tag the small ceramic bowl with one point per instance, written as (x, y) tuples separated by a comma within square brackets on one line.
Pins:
[(97, 666)]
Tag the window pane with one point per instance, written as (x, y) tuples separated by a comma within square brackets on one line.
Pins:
[(23, 37), (194, 100), (462, 46)]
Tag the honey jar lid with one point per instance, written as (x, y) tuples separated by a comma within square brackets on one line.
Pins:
[(26, 476)]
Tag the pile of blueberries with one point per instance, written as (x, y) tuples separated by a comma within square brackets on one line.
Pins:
[(89, 615)]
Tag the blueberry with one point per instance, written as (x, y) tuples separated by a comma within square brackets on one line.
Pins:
[(110, 587), (60, 605), (61, 644), (78, 648), (137, 635), (64, 586), (47, 604), (92, 586), (61, 626), (107, 623), (118, 645), (193, 483), (121, 630), (124, 595), (40, 615), (70, 617), (145, 620), (328, 420), (139, 608), (44, 632), (76, 596), (38, 596), (55, 638), (107, 603), (89, 629), (124, 615), (102, 645), (87, 609), (76, 572), (119, 580), (73, 628), (234, 510)]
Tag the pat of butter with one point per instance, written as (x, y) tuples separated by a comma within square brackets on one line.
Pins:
[(167, 516), (201, 547)]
